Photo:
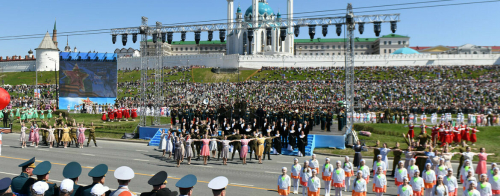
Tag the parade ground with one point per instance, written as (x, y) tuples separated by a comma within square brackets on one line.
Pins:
[(250, 179)]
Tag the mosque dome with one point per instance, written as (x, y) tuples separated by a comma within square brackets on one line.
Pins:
[(405, 51), (265, 11)]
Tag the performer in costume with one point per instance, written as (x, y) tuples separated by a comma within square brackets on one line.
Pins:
[(349, 172), (296, 169), (305, 174), (326, 173), (22, 139), (338, 179), (314, 184), (284, 183), (379, 182), (360, 185)]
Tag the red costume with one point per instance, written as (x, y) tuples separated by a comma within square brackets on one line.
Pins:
[(473, 138), (411, 133), (134, 113), (126, 114), (104, 116), (422, 128), (434, 132), (111, 115), (119, 114), (457, 136), (465, 134)]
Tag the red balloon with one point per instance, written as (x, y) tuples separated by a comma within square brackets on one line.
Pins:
[(4, 98)]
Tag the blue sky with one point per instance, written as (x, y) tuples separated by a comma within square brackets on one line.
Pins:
[(453, 25)]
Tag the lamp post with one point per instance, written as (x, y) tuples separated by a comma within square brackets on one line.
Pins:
[(55, 76)]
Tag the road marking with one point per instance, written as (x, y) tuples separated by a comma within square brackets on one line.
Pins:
[(272, 172), (88, 154), (201, 166), (141, 150), (6, 145), (241, 184), (140, 160), (266, 189)]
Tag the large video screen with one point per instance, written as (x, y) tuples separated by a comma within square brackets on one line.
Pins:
[(87, 80)]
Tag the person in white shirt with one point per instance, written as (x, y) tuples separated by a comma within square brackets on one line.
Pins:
[(313, 185), (440, 188), (411, 167), (451, 183), (472, 191), (379, 182), (490, 171), (284, 183), (305, 174), (417, 184), (296, 175), (484, 186), (359, 185), (405, 189), (338, 178), (495, 182), (314, 164), (465, 170), (400, 173), (441, 169), (468, 180), (326, 174), (349, 171), (379, 164), (365, 170), (429, 177)]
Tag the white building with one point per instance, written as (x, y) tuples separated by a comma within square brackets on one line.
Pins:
[(124, 52), (470, 49), (47, 55)]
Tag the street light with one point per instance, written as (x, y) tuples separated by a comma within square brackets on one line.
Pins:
[(55, 76)]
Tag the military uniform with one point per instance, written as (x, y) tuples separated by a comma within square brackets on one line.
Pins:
[(267, 148), (253, 147), (236, 144), (41, 170), (329, 119), (73, 136), (72, 171), (323, 120), (98, 171), (341, 119), (20, 185), (173, 116), (91, 136), (397, 157), (157, 180)]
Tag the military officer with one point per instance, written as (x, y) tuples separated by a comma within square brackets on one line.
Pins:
[(123, 174), (186, 184), (72, 171), (340, 119), (91, 134), (5, 185), (173, 115), (21, 184), (329, 119), (42, 171), (236, 144), (267, 148), (159, 182), (323, 115), (98, 175), (218, 185), (73, 134)]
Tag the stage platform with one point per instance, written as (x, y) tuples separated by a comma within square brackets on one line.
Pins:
[(316, 139)]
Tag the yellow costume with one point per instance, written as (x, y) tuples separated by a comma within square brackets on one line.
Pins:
[(260, 149), (65, 136)]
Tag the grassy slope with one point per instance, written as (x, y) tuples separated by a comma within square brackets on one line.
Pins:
[(488, 138)]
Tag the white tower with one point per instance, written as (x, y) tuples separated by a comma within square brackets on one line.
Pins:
[(46, 54)]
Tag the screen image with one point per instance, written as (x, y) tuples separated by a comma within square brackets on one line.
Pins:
[(87, 79)]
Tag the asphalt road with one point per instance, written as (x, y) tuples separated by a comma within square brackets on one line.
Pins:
[(250, 179)]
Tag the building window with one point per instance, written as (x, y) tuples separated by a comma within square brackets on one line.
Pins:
[(404, 42), (361, 46), (390, 42), (327, 54), (300, 53), (399, 42), (339, 53), (373, 46), (322, 54), (176, 49), (355, 46), (327, 47), (316, 53), (385, 50), (310, 53), (316, 47), (322, 47), (305, 54), (356, 53), (339, 46), (305, 47), (191, 49), (390, 50), (385, 42)]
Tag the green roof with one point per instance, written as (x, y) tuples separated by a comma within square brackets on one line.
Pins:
[(193, 42), (318, 40), (393, 35)]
